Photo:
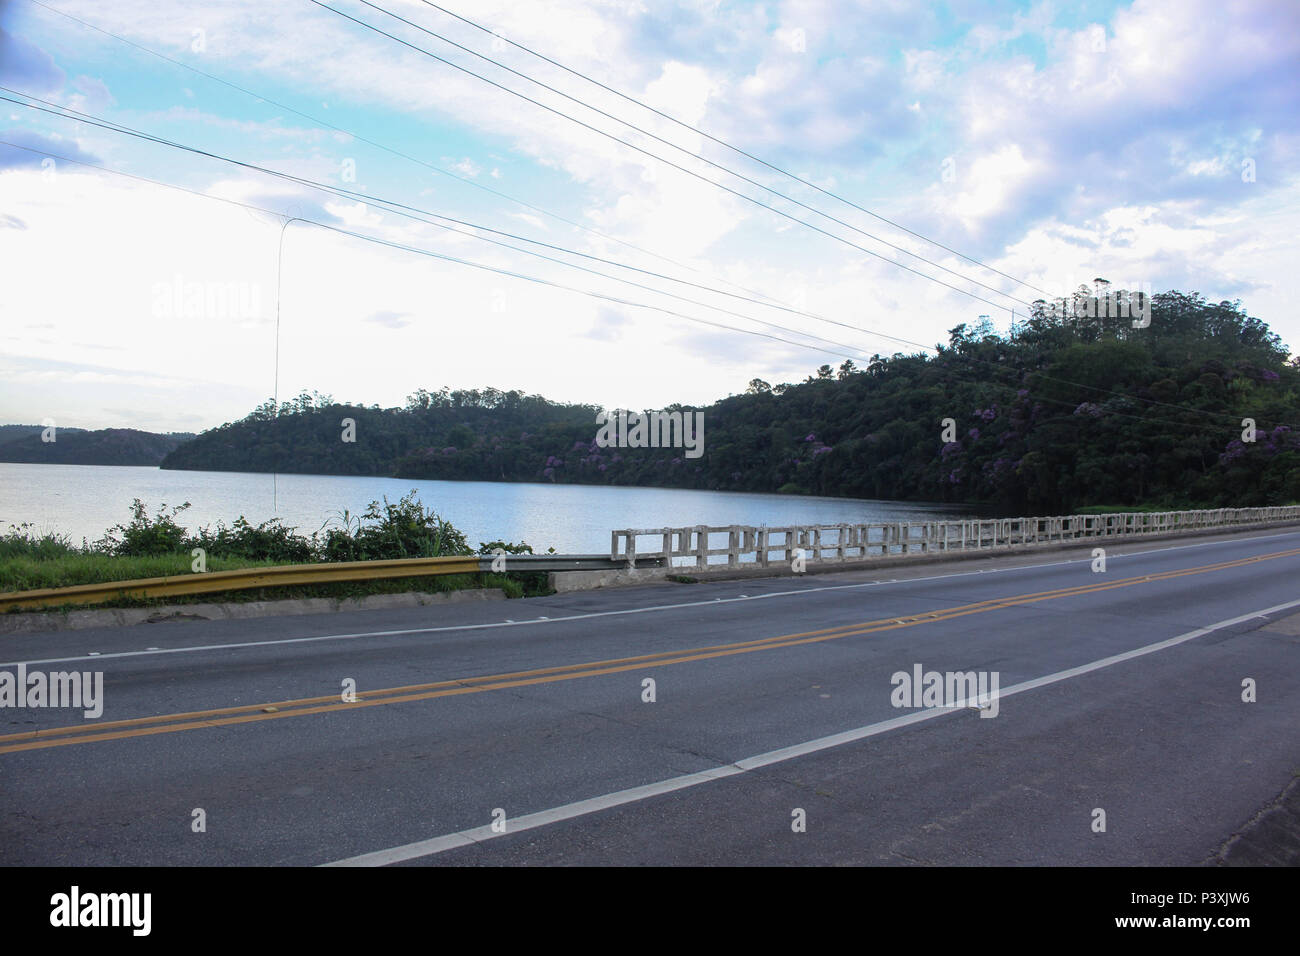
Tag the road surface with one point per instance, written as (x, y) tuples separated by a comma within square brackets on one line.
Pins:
[(522, 732)]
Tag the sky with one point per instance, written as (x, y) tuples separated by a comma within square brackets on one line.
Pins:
[(990, 155)]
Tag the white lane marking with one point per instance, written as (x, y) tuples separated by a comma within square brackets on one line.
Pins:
[(469, 837), (568, 811), (451, 628)]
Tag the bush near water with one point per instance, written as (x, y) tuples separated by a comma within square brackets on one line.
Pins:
[(158, 546)]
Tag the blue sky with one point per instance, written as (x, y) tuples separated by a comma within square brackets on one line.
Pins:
[(1153, 143)]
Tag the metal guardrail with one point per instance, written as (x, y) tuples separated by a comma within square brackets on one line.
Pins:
[(860, 541), (211, 582), (566, 562)]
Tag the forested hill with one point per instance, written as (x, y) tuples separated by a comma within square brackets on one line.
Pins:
[(10, 433), (75, 446), (1063, 412)]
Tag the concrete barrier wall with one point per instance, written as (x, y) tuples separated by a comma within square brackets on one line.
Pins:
[(746, 546)]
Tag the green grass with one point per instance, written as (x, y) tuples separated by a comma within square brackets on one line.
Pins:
[(25, 573)]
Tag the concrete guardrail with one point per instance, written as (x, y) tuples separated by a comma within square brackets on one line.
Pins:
[(858, 541)]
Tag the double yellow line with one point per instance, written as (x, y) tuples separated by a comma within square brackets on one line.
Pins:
[(256, 713)]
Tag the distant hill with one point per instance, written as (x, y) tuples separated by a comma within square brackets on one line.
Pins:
[(9, 433), (76, 446)]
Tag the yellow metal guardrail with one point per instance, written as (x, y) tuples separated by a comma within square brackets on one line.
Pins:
[(209, 582)]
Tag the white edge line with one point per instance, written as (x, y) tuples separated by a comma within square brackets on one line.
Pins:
[(569, 811), (634, 610)]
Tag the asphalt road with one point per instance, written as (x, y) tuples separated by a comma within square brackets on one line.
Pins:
[(1119, 691)]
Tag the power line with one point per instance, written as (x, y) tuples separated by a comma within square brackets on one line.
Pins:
[(546, 282), (762, 300), (120, 128), (689, 172), (436, 255), (683, 149), (388, 149), (100, 122), (718, 166), (334, 190), (595, 232), (735, 149), (769, 302)]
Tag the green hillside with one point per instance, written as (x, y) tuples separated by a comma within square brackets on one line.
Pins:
[(1064, 412), (73, 446)]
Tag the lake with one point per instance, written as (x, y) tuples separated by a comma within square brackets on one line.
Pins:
[(83, 501)]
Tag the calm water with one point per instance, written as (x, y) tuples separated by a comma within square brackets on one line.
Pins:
[(85, 500)]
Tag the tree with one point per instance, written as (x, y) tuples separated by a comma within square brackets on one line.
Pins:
[(1057, 414)]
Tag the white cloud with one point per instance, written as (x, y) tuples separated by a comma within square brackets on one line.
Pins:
[(988, 186), (1057, 177), (467, 167)]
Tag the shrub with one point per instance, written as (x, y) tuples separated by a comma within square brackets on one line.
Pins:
[(402, 530), (405, 529), (269, 541), (23, 542), (523, 547), (142, 537), (517, 583)]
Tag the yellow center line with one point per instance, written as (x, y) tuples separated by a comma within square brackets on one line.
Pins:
[(255, 713), (463, 681)]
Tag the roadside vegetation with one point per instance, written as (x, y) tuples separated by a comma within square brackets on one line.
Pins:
[(157, 545)]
